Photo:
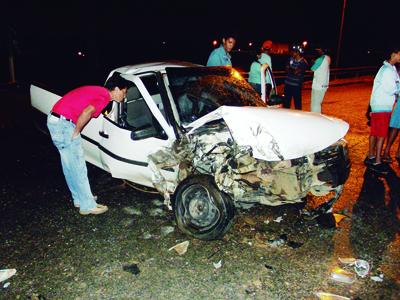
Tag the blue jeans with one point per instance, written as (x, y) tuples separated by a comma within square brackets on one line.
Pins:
[(72, 161)]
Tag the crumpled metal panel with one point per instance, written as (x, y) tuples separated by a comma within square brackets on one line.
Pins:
[(211, 150), (277, 134)]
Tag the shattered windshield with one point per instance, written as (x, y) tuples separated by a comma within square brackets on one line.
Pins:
[(200, 90)]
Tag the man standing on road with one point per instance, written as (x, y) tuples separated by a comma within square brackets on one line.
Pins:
[(220, 56), (394, 128), (65, 122), (384, 92), (321, 79), (296, 67)]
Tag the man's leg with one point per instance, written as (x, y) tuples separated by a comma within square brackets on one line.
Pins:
[(372, 146), (57, 129), (75, 165), (392, 136), (73, 162), (317, 96), (379, 144), (297, 97), (288, 96)]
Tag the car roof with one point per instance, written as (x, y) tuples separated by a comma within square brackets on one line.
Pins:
[(152, 66)]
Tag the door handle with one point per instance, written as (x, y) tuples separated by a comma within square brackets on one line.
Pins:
[(103, 134)]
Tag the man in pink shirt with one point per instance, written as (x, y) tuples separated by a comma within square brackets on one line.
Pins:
[(65, 122)]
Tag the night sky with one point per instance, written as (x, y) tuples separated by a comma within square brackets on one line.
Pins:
[(49, 34)]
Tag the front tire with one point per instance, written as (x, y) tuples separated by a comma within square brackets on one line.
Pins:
[(201, 210)]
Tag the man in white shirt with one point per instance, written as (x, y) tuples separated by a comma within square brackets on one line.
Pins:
[(321, 79)]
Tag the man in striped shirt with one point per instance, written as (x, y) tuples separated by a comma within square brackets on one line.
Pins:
[(296, 67)]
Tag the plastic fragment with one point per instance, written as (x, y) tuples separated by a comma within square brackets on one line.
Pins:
[(279, 241), (6, 285), (377, 278), (329, 296), (6, 274), (165, 230), (132, 211), (340, 275), (180, 248), (347, 261), (339, 218), (278, 219), (217, 265), (147, 236), (361, 267)]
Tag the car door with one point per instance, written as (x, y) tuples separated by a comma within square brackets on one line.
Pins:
[(91, 139), (136, 129)]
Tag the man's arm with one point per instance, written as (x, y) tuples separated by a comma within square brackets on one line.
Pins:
[(213, 60), (83, 119), (317, 63)]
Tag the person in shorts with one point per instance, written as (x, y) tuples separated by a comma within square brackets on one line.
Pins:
[(394, 130), (384, 93)]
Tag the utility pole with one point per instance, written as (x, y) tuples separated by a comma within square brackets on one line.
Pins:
[(11, 55), (340, 34)]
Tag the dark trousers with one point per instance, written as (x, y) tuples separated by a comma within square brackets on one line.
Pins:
[(294, 92), (257, 88)]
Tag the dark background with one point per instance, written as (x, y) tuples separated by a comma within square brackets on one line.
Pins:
[(46, 36)]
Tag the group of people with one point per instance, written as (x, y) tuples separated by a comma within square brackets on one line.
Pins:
[(74, 110), (385, 114), (296, 67)]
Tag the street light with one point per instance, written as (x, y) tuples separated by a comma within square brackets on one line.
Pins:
[(340, 34)]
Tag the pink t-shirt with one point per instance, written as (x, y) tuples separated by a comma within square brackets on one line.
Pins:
[(74, 102)]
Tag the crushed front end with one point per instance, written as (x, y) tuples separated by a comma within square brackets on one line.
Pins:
[(212, 151)]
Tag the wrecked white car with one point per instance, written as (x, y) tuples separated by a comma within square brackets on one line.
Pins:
[(207, 142)]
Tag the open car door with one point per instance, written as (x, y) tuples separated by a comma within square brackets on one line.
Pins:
[(133, 130), (273, 99)]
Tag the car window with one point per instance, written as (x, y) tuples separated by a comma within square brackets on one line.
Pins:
[(151, 84), (198, 91), (136, 115)]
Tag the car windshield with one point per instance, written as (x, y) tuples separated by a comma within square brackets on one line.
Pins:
[(200, 90)]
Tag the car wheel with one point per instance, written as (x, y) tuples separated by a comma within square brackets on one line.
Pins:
[(201, 210)]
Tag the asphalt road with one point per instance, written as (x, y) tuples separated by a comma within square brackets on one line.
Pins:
[(123, 254)]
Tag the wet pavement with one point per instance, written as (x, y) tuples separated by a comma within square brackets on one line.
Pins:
[(270, 253)]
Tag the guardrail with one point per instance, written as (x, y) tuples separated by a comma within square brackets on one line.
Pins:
[(336, 73)]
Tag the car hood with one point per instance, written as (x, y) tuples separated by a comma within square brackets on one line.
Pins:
[(276, 133)]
